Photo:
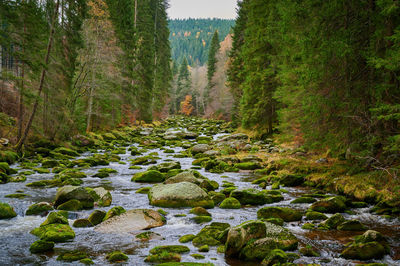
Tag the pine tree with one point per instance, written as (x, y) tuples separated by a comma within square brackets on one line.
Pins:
[(183, 84), (211, 65)]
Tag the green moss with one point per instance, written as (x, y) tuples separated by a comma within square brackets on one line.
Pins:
[(308, 251), (200, 211), (116, 256), (71, 205), (204, 248), (275, 257), (308, 226), (163, 257), (38, 208), (86, 261), (202, 219), (143, 190), (115, 211), (70, 256), (197, 256), (151, 176), (329, 205), (81, 223), (230, 203), (312, 215), (6, 211), (364, 251), (172, 249), (332, 222), (287, 214), (50, 163), (304, 200), (96, 217), (16, 195), (54, 232), (221, 249), (5, 168), (41, 246), (248, 166), (144, 236), (277, 221), (352, 225), (186, 238), (217, 197), (55, 218), (211, 235)]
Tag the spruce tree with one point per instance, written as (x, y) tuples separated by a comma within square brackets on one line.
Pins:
[(211, 65)]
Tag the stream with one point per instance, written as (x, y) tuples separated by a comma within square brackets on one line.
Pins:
[(15, 238)]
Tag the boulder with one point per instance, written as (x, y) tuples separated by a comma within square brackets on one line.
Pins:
[(254, 240), (116, 256), (183, 194), (186, 176), (150, 176), (286, 214), (55, 218), (6, 211), (230, 203), (41, 246), (54, 232), (114, 211), (291, 180), (132, 220), (332, 222), (330, 205), (103, 197), (165, 167), (39, 208), (248, 166), (352, 225), (212, 235), (312, 215), (200, 148), (96, 217), (252, 196), (67, 193), (364, 251)]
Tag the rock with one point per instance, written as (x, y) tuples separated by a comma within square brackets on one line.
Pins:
[(304, 200), (5, 168), (132, 220), (252, 196), (165, 167), (41, 246), (166, 257), (146, 236), (217, 197), (371, 236), (364, 251), (276, 221), (275, 257), (204, 248), (286, 214), (70, 256), (96, 217), (329, 205), (202, 219), (308, 251), (200, 211), (248, 166), (352, 225), (183, 194), (333, 222), (71, 205), (143, 190), (238, 136), (114, 211), (102, 197), (150, 176), (250, 158), (67, 193), (116, 256), (86, 261), (50, 163), (39, 208), (212, 235), (67, 151), (198, 256), (230, 203), (82, 141), (200, 148), (170, 249), (55, 218), (6, 211), (54, 232), (186, 176), (254, 240), (186, 238), (308, 226), (312, 215), (291, 180), (212, 153), (81, 223)]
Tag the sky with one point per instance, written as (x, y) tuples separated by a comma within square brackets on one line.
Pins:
[(202, 9)]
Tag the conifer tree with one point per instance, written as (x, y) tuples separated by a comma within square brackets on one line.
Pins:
[(211, 65)]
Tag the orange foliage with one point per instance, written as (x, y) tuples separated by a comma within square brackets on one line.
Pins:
[(186, 105)]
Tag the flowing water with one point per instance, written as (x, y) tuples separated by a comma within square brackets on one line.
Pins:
[(15, 238)]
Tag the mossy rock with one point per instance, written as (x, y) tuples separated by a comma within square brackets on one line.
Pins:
[(54, 232), (276, 221), (332, 222), (41, 246), (359, 204), (86, 261), (212, 235), (55, 218), (151, 176), (50, 163), (82, 223), (71, 205), (217, 197), (291, 180), (146, 236), (96, 217), (8, 157), (37, 184), (286, 214), (304, 200), (6, 211), (5, 168), (66, 193), (42, 170), (252, 196), (17, 179), (200, 211), (308, 226), (115, 211), (330, 205), (16, 196), (163, 257), (364, 251), (186, 238), (67, 151), (39, 208), (168, 166), (101, 175), (312, 215), (248, 166), (70, 256), (275, 257), (230, 203), (198, 256), (352, 225), (202, 219), (204, 248), (116, 256), (4, 178), (143, 190), (180, 249), (308, 251)]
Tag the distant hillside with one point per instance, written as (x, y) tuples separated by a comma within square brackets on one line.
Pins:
[(192, 37)]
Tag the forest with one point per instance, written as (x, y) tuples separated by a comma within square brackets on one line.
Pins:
[(127, 136)]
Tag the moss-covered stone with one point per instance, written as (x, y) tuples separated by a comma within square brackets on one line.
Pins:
[(82, 223), (275, 257), (55, 218), (276, 221), (39, 208), (254, 197), (364, 251), (202, 219), (172, 248), (71, 205), (352, 225), (50, 163), (70, 256), (164, 257), (86, 261), (41, 246), (150, 176), (204, 248), (5, 168), (67, 151), (308, 251), (291, 180), (96, 217), (81, 194), (286, 214), (8, 157), (308, 226), (198, 256), (217, 197), (332, 222), (16, 195), (330, 205), (115, 211), (143, 190), (212, 235), (230, 203), (200, 211), (54, 232), (304, 200), (248, 166), (186, 238), (116, 256), (6, 211), (312, 215)]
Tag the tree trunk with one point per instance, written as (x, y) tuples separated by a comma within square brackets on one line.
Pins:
[(90, 110), (21, 141)]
